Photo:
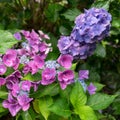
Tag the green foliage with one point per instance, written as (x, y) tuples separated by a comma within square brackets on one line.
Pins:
[(100, 101), (100, 51), (44, 104), (57, 18), (52, 12), (3, 94), (77, 96), (7, 40), (71, 14), (102, 4), (61, 108), (31, 77), (50, 90), (86, 113)]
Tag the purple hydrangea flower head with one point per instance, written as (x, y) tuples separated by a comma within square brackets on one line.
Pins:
[(91, 89), (17, 35), (90, 28), (65, 78), (48, 76), (2, 81), (65, 60), (3, 69), (83, 74), (10, 59)]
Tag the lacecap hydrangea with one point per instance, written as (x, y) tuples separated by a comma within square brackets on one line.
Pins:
[(90, 28)]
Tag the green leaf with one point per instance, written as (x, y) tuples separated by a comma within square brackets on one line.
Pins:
[(5, 1), (51, 90), (7, 41), (100, 101), (35, 105), (98, 86), (44, 104), (71, 14), (102, 4), (94, 76), (52, 12), (61, 108), (63, 30), (100, 51), (31, 77), (77, 96), (1, 108), (3, 94), (86, 113), (26, 115)]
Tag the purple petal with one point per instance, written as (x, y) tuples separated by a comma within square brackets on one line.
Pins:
[(83, 74), (17, 35), (3, 69), (65, 61), (91, 89)]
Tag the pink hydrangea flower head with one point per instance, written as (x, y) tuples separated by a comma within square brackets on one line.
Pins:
[(48, 76), (65, 60), (91, 89), (65, 78), (3, 69), (83, 74)]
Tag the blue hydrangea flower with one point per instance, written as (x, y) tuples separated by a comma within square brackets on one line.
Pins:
[(90, 28)]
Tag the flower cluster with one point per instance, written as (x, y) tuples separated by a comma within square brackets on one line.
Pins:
[(30, 58), (90, 28)]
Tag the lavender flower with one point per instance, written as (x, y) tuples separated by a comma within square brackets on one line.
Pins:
[(48, 76), (65, 60), (65, 78), (83, 74), (17, 35), (91, 89), (64, 43)]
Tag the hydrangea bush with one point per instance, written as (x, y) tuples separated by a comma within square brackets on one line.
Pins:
[(47, 88)]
